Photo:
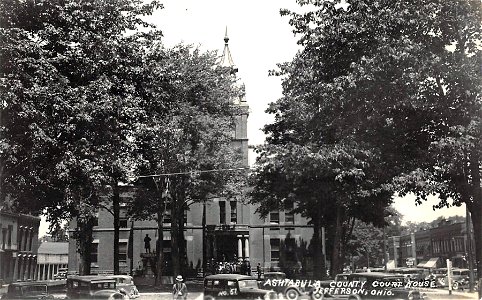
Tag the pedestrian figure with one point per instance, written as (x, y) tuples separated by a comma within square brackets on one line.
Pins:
[(179, 289), (147, 244), (248, 267), (258, 269)]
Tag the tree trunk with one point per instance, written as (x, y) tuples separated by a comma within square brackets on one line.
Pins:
[(175, 236), (476, 210), (181, 242), (84, 243), (116, 211), (317, 249), (203, 224), (335, 254), (160, 243)]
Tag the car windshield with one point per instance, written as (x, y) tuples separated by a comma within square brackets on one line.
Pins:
[(102, 286), (249, 283), (392, 279), (34, 289)]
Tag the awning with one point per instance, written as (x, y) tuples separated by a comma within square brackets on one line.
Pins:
[(421, 264), (432, 263), (391, 264)]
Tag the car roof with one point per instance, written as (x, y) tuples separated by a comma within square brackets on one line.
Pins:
[(229, 276), (90, 277), (374, 274), (41, 282), (274, 273)]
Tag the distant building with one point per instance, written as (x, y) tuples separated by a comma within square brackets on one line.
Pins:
[(432, 247), (18, 249), (233, 229), (51, 257)]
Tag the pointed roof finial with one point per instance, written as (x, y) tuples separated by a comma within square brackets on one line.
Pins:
[(226, 38), (226, 59)]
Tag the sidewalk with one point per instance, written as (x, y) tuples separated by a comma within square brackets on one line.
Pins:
[(444, 294), (192, 286)]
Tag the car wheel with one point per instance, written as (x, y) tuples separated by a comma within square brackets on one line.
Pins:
[(455, 285), (292, 294), (316, 296), (209, 298)]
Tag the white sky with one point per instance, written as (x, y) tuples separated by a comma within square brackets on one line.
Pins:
[(259, 39)]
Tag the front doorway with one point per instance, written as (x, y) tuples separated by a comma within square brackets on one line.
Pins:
[(226, 248)]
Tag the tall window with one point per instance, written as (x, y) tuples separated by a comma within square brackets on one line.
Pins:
[(222, 212), (96, 219), (234, 211), (123, 223), (167, 216), (275, 246), (4, 237), (274, 217), (94, 250), (289, 216), (290, 247), (9, 238), (123, 253)]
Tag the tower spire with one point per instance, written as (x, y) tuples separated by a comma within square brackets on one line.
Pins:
[(226, 59), (226, 38)]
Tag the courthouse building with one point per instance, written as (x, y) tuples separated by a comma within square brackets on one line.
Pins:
[(233, 229), (18, 248)]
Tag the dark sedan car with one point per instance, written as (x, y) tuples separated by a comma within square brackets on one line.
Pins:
[(93, 287), (36, 290), (234, 286)]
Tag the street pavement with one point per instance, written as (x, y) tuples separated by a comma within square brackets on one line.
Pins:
[(432, 294), (168, 296), (443, 294)]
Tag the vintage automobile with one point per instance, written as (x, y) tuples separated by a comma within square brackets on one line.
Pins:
[(413, 273), (289, 291), (234, 286), (61, 273), (125, 284), (36, 290), (376, 285), (460, 278), (93, 287)]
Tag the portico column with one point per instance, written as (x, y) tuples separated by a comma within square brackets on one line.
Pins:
[(21, 262), (44, 274), (15, 268), (48, 271), (26, 233), (246, 245), (240, 247)]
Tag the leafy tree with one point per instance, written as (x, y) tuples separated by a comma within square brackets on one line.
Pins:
[(402, 78), (365, 245), (332, 184), (69, 104), (192, 135)]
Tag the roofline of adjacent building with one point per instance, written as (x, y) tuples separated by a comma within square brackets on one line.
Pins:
[(5, 213)]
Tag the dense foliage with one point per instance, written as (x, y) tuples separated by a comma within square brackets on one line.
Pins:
[(91, 99), (396, 86)]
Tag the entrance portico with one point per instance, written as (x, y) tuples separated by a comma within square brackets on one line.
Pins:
[(227, 242)]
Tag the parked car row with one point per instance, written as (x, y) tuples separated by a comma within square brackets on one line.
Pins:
[(273, 285), (75, 287)]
